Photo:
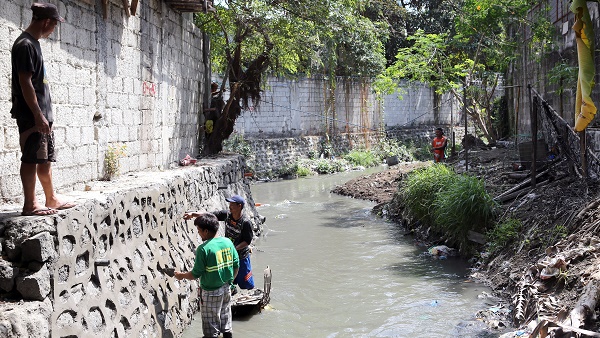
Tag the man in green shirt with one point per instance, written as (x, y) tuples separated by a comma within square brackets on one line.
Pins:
[(216, 264)]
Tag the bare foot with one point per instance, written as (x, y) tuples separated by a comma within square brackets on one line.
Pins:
[(60, 205)]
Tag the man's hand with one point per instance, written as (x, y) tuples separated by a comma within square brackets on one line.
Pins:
[(190, 215), (41, 124)]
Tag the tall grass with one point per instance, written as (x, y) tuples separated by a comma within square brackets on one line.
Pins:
[(461, 207), (419, 190), (451, 204)]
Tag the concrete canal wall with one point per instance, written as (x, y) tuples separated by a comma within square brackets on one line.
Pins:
[(95, 270)]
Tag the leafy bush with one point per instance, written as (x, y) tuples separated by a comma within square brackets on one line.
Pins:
[(364, 158), (302, 171), (388, 147), (420, 188), (461, 206), (421, 150), (297, 169), (237, 144), (504, 233), (329, 166)]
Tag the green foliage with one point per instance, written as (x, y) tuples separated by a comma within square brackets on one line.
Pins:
[(556, 233), (302, 171), (461, 206), (452, 204), (503, 234), (299, 37), (329, 166), (421, 187), (327, 149), (298, 169), (563, 75), (364, 158), (387, 147), (112, 167), (237, 144)]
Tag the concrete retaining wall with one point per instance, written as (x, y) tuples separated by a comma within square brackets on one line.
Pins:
[(135, 81), (100, 263)]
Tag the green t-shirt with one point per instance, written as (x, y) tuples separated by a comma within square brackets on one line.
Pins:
[(215, 261)]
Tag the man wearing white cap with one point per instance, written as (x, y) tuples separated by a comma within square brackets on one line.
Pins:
[(32, 108)]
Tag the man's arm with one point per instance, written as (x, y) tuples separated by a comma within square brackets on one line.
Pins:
[(41, 123), (184, 275)]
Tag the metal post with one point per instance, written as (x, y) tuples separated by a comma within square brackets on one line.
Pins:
[(533, 103)]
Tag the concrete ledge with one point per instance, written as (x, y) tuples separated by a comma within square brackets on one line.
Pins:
[(103, 276)]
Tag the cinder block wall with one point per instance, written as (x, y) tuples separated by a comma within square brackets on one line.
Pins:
[(293, 108), (102, 274), (135, 81)]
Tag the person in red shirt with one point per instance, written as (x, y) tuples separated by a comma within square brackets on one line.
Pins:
[(439, 144)]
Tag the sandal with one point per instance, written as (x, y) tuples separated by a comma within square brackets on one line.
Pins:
[(40, 212)]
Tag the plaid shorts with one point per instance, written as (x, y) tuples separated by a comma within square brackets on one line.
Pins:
[(216, 311)]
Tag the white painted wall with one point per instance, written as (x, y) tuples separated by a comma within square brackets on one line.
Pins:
[(291, 108), (124, 80)]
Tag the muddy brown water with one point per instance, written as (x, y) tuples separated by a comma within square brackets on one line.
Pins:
[(339, 271)]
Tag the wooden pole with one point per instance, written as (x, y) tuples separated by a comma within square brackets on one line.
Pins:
[(466, 126), (533, 103), (582, 147)]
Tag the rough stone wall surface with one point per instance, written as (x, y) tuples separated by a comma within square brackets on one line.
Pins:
[(107, 255), (133, 81), (292, 108), (270, 155)]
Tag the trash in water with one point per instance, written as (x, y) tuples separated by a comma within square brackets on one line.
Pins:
[(442, 251)]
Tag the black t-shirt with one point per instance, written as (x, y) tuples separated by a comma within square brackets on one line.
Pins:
[(26, 56), (237, 230)]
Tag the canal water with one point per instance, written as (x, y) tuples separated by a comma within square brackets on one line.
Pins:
[(339, 271)]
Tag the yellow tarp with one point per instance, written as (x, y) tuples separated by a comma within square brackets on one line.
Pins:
[(584, 33)]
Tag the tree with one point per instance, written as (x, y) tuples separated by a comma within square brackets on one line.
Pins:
[(470, 56), (285, 38)]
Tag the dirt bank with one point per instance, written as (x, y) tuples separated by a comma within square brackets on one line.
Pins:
[(551, 267)]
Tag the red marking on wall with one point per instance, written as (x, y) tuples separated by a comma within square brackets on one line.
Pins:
[(149, 88)]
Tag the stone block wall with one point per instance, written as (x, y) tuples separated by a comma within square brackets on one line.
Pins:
[(310, 106), (296, 108), (135, 81), (102, 270), (271, 155), (417, 106)]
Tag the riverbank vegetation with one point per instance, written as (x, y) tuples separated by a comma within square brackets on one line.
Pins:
[(451, 205), (329, 159)]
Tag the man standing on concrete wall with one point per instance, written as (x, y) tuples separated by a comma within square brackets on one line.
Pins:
[(32, 108)]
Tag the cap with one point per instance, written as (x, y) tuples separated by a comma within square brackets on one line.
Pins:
[(43, 10), (236, 199)]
